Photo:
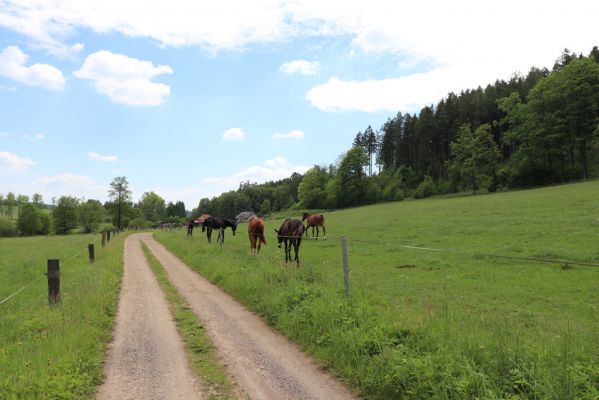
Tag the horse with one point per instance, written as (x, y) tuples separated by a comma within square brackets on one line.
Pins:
[(290, 233), (314, 220), (211, 223), (256, 233), (190, 227)]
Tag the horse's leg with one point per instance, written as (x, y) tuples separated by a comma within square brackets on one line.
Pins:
[(298, 241), (209, 234), (316, 232), (324, 231), (313, 230), (287, 250)]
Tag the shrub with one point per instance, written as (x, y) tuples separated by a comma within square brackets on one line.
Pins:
[(426, 188), (7, 228)]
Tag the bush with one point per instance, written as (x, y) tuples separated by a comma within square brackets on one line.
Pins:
[(138, 223), (7, 228), (425, 189)]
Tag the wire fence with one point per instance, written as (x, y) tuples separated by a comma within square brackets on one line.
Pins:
[(436, 250), (67, 261)]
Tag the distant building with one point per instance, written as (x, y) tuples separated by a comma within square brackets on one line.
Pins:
[(245, 216)]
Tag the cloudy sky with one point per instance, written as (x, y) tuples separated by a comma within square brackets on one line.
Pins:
[(188, 98)]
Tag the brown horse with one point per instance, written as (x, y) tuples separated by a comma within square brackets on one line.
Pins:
[(290, 233), (314, 220), (256, 233)]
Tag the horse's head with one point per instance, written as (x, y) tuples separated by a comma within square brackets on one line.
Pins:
[(279, 238), (233, 227), (304, 216)]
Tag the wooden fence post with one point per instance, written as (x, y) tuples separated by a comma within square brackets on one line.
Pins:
[(108, 236), (90, 249), (345, 264), (103, 239), (53, 281)]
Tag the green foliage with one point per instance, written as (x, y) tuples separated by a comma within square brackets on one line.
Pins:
[(7, 227), (311, 190), (475, 157), (553, 130), (351, 178), (152, 206), (29, 221), (120, 203), (451, 326), (176, 210), (426, 188), (66, 214), (138, 223), (91, 213)]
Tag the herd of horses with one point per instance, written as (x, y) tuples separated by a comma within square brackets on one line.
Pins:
[(290, 233)]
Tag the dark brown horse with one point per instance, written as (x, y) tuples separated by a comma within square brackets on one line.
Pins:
[(211, 223), (314, 220), (290, 233), (256, 233)]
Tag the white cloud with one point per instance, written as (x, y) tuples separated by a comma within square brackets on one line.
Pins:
[(405, 93), (191, 197), (12, 163), (294, 134), (461, 38), (69, 184), (98, 157), (37, 137), (300, 67), (275, 169), (12, 65), (234, 134), (124, 79)]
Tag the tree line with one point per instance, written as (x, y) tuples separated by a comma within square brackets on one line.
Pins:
[(530, 130), (20, 216)]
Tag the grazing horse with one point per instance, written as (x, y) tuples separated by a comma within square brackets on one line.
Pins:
[(211, 223), (256, 233), (291, 232), (314, 220)]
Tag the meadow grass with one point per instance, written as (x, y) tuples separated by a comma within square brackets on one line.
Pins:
[(423, 324), (200, 350), (56, 352)]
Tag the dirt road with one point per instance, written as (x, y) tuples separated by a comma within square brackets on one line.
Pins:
[(147, 359), (264, 364)]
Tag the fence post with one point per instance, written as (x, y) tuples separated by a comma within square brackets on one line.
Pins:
[(345, 264), (90, 249), (108, 236), (53, 281), (103, 239), (221, 235)]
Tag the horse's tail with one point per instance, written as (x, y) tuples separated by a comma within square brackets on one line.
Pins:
[(262, 239), (321, 219)]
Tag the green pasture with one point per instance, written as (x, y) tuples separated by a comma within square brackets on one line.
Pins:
[(56, 352), (423, 324)]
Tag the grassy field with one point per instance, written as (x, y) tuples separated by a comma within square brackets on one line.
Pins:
[(423, 324), (56, 352)]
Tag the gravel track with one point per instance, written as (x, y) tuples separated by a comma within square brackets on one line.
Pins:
[(264, 364), (147, 357)]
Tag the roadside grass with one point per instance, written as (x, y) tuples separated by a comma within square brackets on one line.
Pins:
[(56, 352), (422, 324), (200, 350)]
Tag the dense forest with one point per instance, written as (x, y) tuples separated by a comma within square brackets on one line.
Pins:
[(531, 130)]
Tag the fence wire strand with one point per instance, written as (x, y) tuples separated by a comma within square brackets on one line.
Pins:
[(43, 275)]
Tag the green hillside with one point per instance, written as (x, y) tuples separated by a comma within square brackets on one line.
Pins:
[(428, 324)]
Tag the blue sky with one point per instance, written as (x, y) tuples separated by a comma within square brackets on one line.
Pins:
[(188, 98)]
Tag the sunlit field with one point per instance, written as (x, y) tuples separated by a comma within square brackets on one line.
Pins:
[(429, 324)]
